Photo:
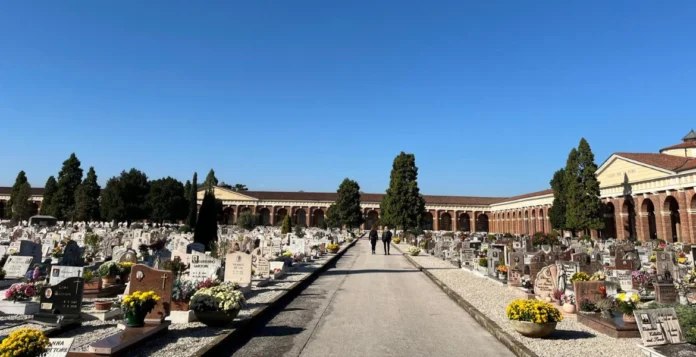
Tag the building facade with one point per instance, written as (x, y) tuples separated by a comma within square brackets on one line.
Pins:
[(644, 196)]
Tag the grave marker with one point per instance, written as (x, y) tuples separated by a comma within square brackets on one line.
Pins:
[(203, 266), (16, 266), (61, 303), (60, 273), (143, 278), (658, 327), (238, 268)]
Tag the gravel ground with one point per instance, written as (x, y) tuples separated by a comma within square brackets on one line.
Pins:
[(90, 331), (570, 338)]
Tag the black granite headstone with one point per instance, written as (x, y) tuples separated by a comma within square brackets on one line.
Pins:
[(61, 303), (72, 256)]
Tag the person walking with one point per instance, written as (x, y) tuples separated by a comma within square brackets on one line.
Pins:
[(386, 239), (373, 238)]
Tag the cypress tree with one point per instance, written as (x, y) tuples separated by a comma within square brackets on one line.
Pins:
[(14, 193), (210, 180), (591, 214), (333, 219), (69, 178), (287, 226), (48, 203), (206, 227), (573, 194), (187, 191), (112, 206), (348, 204), (87, 198), (193, 202), (557, 212), (403, 204), (19, 207)]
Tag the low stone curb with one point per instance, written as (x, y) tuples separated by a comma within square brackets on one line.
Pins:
[(508, 341), (219, 345)]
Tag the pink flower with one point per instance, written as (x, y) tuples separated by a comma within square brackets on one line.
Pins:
[(29, 291)]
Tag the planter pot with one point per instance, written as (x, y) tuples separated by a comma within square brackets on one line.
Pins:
[(135, 320), (502, 276), (607, 314), (124, 278), (531, 329), (108, 280), (569, 308), (180, 305), (333, 251), (94, 285), (103, 305), (216, 318), (629, 319), (414, 254)]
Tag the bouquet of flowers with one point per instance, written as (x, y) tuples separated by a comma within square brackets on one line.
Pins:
[(627, 302), (332, 246), (182, 290), (568, 298), (598, 276), (682, 259), (579, 276), (217, 298), (208, 283), (139, 303), (532, 310), (503, 269), (25, 342), (125, 267), (57, 252), (413, 250), (20, 292), (176, 266), (288, 254)]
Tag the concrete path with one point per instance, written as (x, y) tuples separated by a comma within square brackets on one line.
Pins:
[(372, 305)]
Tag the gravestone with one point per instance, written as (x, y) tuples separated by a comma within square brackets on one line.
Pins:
[(264, 268), (546, 282), (72, 255), (665, 293), (27, 248), (61, 303), (60, 273), (665, 266), (16, 266), (277, 265), (517, 261), (129, 257), (198, 247), (59, 347), (625, 279), (238, 268), (468, 255), (587, 290), (536, 263), (515, 278), (494, 259), (203, 266), (117, 253), (659, 326), (3, 251), (143, 278)]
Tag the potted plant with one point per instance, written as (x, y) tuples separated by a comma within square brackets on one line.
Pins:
[(2, 274), (533, 318), (627, 302), (182, 290), (502, 271), (176, 266), (108, 273), (413, 251), (332, 248), (568, 303), (483, 262), (587, 306), (217, 306), (56, 254), (579, 276), (137, 305), (25, 342), (125, 270), (396, 240), (606, 306), (90, 282), (20, 292), (103, 305)]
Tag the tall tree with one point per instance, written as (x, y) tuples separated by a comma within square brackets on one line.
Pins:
[(134, 190), (193, 202), (166, 200), (18, 207), (210, 180), (238, 187), (558, 210), (333, 219), (48, 203), (112, 206), (286, 227), (187, 190), (348, 204), (403, 204), (69, 178), (206, 227), (573, 192), (590, 214), (87, 198), (225, 185)]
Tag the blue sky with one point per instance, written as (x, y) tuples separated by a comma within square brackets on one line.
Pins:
[(297, 95)]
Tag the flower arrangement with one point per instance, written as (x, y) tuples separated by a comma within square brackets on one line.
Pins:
[(57, 252), (587, 306), (579, 276), (682, 287), (20, 292), (396, 240), (627, 302), (109, 269), (682, 258), (176, 266), (502, 269), (557, 294), (208, 283), (218, 298), (413, 250), (598, 276), (125, 267), (288, 254), (568, 298), (138, 304), (483, 262), (428, 235), (605, 305), (332, 246), (422, 244), (653, 257), (532, 310), (182, 290), (13, 252), (24, 342)]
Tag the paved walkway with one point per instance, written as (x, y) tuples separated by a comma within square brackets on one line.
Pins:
[(372, 305)]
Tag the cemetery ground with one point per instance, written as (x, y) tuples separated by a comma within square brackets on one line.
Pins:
[(371, 305)]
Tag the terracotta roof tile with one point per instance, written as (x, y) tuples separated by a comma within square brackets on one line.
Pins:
[(663, 161), (367, 197), (526, 195), (684, 145)]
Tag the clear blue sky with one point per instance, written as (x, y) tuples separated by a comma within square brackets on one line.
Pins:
[(297, 95)]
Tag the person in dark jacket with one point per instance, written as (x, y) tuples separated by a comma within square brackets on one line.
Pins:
[(373, 238), (386, 239)]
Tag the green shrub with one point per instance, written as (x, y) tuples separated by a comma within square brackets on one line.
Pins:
[(483, 262), (247, 221)]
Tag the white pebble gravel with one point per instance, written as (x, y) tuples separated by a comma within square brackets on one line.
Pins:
[(572, 338)]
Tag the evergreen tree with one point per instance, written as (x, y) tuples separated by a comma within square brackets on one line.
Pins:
[(590, 214), (403, 204), (87, 198), (69, 178), (166, 200), (210, 180), (573, 192), (333, 219), (287, 225), (225, 185), (112, 206), (19, 207), (134, 190), (193, 202), (48, 203), (348, 204), (247, 220), (206, 227), (239, 188), (557, 212), (187, 191)]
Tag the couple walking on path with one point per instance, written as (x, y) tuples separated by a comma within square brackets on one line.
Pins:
[(386, 239)]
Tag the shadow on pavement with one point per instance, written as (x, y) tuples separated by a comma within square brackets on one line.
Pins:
[(369, 271)]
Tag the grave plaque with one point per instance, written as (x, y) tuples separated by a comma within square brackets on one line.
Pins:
[(63, 299), (264, 268), (517, 261), (546, 281), (60, 273), (665, 293), (203, 266), (625, 279), (515, 278), (143, 278), (468, 256), (277, 265), (16, 266), (59, 347), (238, 268), (658, 327)]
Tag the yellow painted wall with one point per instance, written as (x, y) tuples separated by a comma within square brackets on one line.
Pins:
[(689, 152), (618, 168), (222, 194)]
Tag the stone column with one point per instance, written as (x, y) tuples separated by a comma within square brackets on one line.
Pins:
[(472, 217), (684, 229), (455, 220), (436, 220), (660, 223), (618, 218)]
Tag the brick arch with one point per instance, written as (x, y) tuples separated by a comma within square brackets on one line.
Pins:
[(672, 220)]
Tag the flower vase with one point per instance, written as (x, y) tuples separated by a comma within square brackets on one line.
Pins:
[(135, 320), (569, 308), (629, 319)]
